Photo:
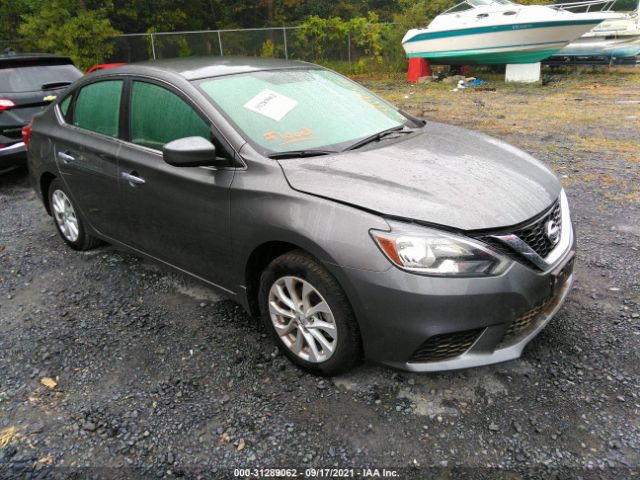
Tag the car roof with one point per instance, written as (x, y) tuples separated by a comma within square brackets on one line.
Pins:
[(194, 68)]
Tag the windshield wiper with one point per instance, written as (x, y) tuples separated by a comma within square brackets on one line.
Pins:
[(301, 154), (54, 85), (378, 136)]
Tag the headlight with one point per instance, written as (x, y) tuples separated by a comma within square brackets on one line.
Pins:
[(431, 252)]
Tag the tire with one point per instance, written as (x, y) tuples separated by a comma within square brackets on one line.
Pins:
[(65, 214), (342, 345)]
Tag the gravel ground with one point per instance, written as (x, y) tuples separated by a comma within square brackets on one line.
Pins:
[(112, 367)]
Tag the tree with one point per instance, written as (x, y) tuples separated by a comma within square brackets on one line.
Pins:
[(71, 28), (10, 12)]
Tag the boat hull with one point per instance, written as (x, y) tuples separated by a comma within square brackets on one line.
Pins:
[(493, 58), (500, 44)]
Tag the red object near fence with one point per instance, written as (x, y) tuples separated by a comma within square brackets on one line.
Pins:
[(418, 67), (102, 66)]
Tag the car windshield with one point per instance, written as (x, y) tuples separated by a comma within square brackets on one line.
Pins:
[(32, 78), (286, 110)]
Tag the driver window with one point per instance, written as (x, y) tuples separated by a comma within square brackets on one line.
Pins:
[(159, 116)]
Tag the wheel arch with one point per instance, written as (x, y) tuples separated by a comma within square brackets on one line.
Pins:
[(256, 263), (45, 182), (262, 255)]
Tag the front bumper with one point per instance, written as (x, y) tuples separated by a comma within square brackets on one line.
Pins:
[(481, 353), (14, 154), (425, 324)]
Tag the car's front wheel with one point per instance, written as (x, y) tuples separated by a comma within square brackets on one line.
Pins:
[(308, 314), (67, 219)]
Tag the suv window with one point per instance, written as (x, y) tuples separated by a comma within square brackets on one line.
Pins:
[(159, 116), (32, 78), (97, 107)]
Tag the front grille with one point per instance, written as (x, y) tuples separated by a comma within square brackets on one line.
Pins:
[(445, 346), (533, 234), (505, 250), (524, 324)]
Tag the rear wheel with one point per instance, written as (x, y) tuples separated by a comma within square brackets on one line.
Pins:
[(67, 219), (308, 314)]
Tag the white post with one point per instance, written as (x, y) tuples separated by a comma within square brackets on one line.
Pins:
[(524, 73), (153, 47), (286, 50)]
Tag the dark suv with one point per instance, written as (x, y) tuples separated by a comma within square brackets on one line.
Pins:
[(28, 83)]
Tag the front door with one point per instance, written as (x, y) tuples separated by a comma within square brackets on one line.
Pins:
[(177, 214)]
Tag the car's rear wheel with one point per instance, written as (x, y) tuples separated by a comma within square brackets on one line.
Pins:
[(308, 314), (67, 219)]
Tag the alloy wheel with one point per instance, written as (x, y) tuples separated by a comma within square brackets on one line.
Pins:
[(65, 215), (303, 319)]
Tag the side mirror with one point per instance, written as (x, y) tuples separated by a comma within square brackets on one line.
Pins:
[(192, 152)]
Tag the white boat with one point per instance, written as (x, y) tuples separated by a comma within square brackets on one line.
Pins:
[(503, 32), (613, 41)]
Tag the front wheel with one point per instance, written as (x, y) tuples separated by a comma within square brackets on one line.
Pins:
[(308, 314)]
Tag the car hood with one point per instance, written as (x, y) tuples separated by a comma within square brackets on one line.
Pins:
[(445, 175)]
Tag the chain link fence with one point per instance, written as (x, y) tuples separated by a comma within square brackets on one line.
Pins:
[(338, 48)]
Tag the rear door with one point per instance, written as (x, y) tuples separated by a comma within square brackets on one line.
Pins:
[(177, 214), (86, 150)]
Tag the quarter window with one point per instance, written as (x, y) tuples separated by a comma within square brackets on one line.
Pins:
[(159, 116), (64, 105), (98, 107)]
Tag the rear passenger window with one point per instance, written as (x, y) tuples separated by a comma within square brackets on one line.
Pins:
[(159, 116), (98, 107)]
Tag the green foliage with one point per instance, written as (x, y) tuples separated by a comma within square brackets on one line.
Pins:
[(268, 49), (367, 34), (10, 12), (322, 39), (184, 49), (318, 35), (626, 5), (66, 27)]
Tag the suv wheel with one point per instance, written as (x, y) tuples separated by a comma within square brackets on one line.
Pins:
[(308, 314), (70, 225)]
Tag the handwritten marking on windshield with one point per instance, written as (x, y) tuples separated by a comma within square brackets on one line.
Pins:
[(303, 135)]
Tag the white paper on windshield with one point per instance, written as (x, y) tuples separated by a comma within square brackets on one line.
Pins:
[(271, 104)]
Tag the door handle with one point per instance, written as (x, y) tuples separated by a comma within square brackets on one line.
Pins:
[(133, 178), (65, 157)]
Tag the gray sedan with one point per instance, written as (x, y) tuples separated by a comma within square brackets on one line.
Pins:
[(350, 227)]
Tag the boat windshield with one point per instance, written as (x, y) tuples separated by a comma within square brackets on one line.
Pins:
[(470, 4), (482, 3)]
